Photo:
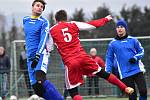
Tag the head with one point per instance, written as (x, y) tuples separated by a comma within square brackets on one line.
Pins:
[(61, 15), (93, 52), (13, 97), (38, 6), (2, 51), (121, 28)]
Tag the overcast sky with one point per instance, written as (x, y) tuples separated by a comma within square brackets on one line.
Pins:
[(20, 8)]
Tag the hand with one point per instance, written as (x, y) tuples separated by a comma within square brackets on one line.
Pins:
[(35, 61), (129, 90), (132, 60), (109, 17)]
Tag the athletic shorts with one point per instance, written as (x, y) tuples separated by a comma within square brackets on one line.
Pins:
[(42, 65), (76, 68)]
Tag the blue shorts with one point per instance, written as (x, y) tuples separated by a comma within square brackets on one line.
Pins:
[(42, 65)]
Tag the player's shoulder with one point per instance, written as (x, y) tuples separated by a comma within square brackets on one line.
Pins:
[(59, 24), (74, 22), (62, 24), (113, 40), (26, 18), (132, 37), (43, 19)]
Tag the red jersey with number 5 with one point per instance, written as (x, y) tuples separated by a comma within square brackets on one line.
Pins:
[(65, 36)]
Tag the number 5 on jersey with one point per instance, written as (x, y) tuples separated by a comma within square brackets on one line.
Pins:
[(67, 35)]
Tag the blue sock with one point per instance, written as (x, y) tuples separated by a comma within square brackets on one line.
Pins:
[(143, 98), (51, 93)]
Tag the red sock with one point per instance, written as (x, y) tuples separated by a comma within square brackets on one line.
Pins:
[(114, 80), (77, 97)]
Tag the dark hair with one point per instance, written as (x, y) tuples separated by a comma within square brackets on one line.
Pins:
[(41, 1), (61, 15)]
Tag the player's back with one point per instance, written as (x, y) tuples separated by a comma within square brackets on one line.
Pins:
[(65, 36)]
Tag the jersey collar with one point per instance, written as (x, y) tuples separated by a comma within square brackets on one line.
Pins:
[(35, 17)]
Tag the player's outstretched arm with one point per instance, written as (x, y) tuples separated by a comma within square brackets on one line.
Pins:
[(100, 22), (93, 24)]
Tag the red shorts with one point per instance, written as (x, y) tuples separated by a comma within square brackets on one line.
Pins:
[(76, 68)]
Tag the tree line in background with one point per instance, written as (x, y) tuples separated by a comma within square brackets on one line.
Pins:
[(138, 23)]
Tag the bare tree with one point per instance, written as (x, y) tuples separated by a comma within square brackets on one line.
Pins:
[(13, 32), (78, 15), (106, 30)]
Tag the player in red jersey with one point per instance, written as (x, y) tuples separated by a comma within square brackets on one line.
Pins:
[(77, 61)]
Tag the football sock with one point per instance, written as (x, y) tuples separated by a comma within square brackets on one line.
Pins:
[(114, 80), (111, 78), (51, 93)]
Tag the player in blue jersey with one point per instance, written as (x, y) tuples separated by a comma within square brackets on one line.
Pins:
[(36, 30), (128, 52)]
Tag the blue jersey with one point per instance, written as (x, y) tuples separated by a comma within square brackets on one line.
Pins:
[(36, 35), (39, 41), (122, 51)]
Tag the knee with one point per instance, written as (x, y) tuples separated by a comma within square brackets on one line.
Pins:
[(38, 86), (40, 76), (103, 74)]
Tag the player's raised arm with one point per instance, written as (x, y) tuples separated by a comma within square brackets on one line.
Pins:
[(93, 24), (100, 22)]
